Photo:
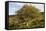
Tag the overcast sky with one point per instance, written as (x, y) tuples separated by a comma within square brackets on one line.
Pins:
[(13, 6)]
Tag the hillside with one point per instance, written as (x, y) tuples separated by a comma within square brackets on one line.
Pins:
[(27, 17)]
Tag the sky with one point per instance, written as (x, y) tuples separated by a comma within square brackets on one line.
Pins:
[(14, 6)]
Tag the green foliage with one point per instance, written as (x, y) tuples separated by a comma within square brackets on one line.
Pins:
[(27, 17)]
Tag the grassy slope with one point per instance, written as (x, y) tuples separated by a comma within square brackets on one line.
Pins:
[(24, 20)]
